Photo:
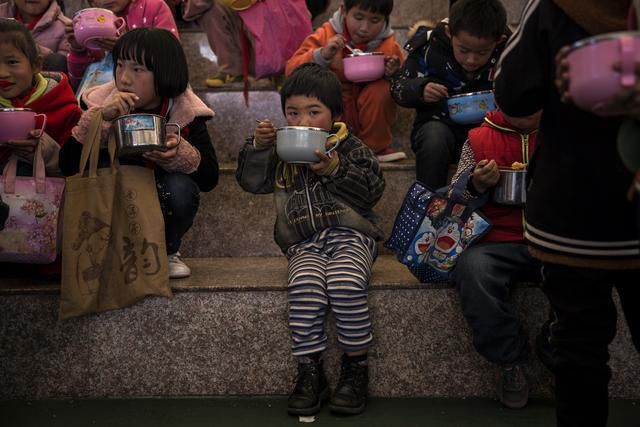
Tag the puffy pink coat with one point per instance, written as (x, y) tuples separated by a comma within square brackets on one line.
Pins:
[(48, 32)]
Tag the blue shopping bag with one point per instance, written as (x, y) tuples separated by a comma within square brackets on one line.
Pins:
[(432, 229)]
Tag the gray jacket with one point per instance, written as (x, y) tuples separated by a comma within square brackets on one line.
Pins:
[(345, 198)]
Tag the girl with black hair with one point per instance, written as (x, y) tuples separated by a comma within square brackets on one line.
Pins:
[(151, 76), (24, 85)]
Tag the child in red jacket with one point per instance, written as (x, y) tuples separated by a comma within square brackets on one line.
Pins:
[(484, 272), (22, 85)]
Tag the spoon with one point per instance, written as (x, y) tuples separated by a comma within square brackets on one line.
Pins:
[(355, 51)]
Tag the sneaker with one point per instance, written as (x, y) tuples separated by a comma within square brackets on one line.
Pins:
[(177, 268), (221, 79), (390, 155), (311, 388), (513, 388), (350, 395)]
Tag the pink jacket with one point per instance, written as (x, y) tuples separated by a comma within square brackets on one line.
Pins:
[(140, 14), (48, 32), (151, 13)]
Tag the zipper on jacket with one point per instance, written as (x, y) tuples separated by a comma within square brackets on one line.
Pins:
[(306, 191), (525, 160)]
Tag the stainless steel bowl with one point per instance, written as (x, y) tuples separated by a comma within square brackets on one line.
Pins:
[(297, 144), (511, 188), (139, 133)]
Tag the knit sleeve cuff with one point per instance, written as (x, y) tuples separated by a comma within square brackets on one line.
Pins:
[(187, 159), (332, 167), (318, 59), (81, 130)]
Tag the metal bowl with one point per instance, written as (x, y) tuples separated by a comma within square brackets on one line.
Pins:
[(139, 133), (470, 108), (297, 144), (511, 188)]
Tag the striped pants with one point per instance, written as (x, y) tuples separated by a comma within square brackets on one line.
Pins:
[(332, 268)]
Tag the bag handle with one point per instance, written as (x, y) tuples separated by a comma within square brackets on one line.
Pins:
[(91, 147), (39, 174), (456, 195)]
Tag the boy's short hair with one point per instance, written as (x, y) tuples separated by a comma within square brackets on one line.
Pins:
[(383, 7), (17, 34), (480, 18), (162, 54), (315, 81)]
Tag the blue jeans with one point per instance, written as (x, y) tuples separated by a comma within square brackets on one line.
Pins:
[(179, 197), (483, 276), (436, 145)]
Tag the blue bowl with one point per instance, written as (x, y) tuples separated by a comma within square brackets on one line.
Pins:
[(470, 108)]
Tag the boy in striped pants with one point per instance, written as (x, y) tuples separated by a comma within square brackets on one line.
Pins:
[(325, 227)]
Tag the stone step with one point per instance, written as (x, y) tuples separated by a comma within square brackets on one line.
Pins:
[(232, 222), (234, 120), (225, 333)]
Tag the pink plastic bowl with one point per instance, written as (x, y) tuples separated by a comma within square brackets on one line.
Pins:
[(364, 67), (592, 80), (91, 25), (16, 123)]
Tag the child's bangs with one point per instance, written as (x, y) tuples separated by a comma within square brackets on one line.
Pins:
[(382, 7), (20, 42), (131, 50)]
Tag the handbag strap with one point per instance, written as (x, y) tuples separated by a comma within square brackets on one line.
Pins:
[(39, 174), (91, 147), (457, 192)]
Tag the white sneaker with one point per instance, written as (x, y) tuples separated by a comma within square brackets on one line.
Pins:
[(177, 268), (390, 155)]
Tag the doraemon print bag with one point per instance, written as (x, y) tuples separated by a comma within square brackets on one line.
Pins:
[(431, 230)]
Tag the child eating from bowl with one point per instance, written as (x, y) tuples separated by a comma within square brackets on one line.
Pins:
[(457, 57), (485, 272), (137, 14), (326, 228), (368, 107), (151, 76)]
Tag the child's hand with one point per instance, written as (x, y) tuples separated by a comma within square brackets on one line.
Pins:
[(485, 175), (24, 148), (391, 65), (434, 92), (119, 104), (323, 163), (562, 74), (164, 158), (333, 46), (108, 43), (627, 101), (265, 133), (71, 38)]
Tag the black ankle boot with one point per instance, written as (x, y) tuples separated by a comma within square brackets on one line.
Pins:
[(350, 395), (311, 388)]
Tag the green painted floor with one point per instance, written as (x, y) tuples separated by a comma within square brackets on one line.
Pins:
[(260, 411)]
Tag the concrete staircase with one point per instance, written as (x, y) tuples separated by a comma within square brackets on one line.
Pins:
[(225, 330)]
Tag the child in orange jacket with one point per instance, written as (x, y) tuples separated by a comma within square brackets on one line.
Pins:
[(368, 107)]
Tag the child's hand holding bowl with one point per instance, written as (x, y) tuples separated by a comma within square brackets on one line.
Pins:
[(165, 158)]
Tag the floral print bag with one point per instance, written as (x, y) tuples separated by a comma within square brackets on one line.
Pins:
[(32, 230)]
